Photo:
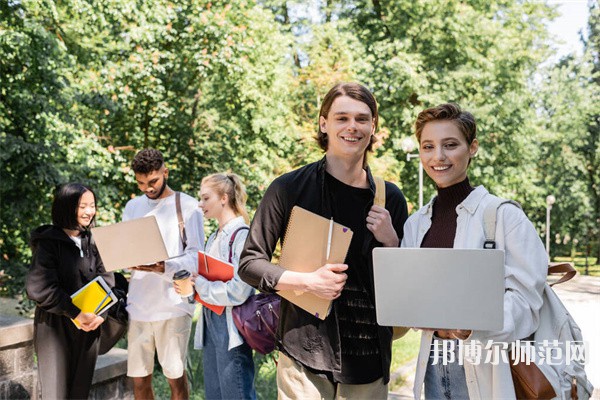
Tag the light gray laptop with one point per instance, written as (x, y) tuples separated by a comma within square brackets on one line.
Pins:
[(439, 288), (130, 243)]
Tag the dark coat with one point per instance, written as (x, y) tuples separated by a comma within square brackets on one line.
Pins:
[(66, 356), (304, 337), (59, 269)]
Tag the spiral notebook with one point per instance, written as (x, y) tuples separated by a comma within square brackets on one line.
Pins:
[(304, 249)]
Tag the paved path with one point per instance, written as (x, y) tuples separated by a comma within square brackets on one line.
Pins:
[(581, 296)]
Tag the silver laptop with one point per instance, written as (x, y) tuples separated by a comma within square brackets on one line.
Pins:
[(130, 243), (439, 288)]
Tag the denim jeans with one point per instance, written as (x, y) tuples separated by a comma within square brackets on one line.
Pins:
[(228, 374), (445, 381)]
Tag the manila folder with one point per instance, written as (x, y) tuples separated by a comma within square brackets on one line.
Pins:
[(305, 250)]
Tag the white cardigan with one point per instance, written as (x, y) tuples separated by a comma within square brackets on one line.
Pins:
[(231, 293), (525, 272)]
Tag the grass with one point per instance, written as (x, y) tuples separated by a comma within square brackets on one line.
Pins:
[(579, 262), (404, 350), (264, 380)]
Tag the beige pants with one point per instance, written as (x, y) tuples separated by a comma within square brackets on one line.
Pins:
[(296, 382), (168, 339)]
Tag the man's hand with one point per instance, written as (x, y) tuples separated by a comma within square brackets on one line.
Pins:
[(328, 281), (158, 267), (379, 222)]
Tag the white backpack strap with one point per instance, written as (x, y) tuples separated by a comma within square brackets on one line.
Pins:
[(490, 214)]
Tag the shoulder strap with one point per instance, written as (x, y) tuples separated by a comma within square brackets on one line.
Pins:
[(379, 191), (489, 226), (181, 224), (565, 268), (232, 240), (490, 215)]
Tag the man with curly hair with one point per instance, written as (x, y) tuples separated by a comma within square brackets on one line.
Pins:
[(160, 321)]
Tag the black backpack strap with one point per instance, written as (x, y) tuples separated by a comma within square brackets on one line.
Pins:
[(232, 240), (182, 234)]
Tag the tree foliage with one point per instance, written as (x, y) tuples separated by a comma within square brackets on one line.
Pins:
[(217, 86), (570, 104)]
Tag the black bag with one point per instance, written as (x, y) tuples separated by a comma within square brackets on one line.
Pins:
[(115, 325)]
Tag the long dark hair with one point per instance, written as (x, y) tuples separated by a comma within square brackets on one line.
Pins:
[(66, 203)]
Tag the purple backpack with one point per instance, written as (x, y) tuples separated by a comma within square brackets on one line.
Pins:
[(258, 317), (257, 320)]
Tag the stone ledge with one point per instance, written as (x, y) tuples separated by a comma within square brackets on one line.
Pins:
[(110, 366), (15, 330)]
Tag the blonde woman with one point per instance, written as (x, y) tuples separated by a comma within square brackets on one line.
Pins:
[(227, 358)]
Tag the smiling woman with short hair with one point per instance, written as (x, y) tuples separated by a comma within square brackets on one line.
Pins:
[(454, 219)]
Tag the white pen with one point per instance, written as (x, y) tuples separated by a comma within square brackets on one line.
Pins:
[(329, 238)]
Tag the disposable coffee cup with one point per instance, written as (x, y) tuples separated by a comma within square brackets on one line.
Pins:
[(182, 277)]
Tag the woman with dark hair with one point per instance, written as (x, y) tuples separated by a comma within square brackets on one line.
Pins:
[(65, 259)]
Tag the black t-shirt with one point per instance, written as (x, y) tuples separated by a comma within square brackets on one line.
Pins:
[(361, 359)]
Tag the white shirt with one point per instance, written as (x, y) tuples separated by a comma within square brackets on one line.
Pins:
[(151, 295), (526, 265), (230, 293)]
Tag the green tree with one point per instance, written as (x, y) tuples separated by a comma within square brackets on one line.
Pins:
[(570, 100), (42, 143), (85, 85), (204, 83), (415, 54), (478, 54)]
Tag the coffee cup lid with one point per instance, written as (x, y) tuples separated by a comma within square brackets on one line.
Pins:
[(181, 274)]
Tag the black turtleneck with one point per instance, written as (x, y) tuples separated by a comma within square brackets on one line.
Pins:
[(443, 220)]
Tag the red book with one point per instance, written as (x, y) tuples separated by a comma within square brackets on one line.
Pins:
[(213, 269)]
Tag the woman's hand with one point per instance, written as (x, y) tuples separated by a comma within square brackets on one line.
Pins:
[(451, 334), (177, 286), (89, 321), (379, 222)]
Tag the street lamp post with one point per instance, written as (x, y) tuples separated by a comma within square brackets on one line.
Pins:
[(550, 200), (408, 145)]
